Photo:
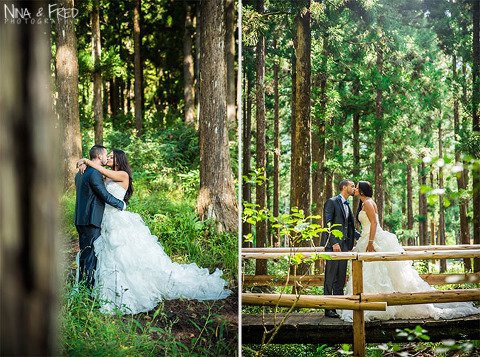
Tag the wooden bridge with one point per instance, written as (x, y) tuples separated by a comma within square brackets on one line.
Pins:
[(316, 328)]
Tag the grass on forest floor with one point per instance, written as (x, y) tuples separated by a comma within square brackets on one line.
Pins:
[(87, 332), (177, 327), (418, 349)]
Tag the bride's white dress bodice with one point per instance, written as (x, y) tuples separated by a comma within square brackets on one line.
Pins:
[(397, 276), (133, 271)]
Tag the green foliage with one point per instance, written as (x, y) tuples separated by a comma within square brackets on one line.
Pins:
[(173, 149), (418, 334)]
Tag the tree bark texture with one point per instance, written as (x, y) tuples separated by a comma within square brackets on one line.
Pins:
[(318, 144), (247, 154), (276, 155), (301, 157), (97, 74), (292, 118), (461, 183), (422, 206), (379, 196), (441, 222), (356, 144), (30, 182), (476, 67), (188, 75), (411, 241), (476, 125), (261, 157), (230, 57), (67, 103), (137, 44), (216, 199)]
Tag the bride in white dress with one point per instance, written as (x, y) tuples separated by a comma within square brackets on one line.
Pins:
[(395, 276), (133, 272)]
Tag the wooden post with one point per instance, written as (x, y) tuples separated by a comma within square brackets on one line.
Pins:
[(358, 316), (432, 237)]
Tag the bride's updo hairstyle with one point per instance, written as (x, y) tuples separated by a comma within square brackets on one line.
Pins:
[(364, 188), (120, 162)]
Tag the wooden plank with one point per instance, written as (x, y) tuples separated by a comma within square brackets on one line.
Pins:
[(318, 280), (419, 255), (380, 256), (307, 255), (311, 301), (322, 249), (315, 328), (356, 302), (434, 296), (359, 344)]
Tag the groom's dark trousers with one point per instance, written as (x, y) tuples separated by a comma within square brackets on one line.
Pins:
[(91, 197), (336, 270)]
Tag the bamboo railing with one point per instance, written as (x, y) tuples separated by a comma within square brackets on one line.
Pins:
[(360, 301)]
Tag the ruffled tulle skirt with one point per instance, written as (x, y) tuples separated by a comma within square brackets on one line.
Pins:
[(134, 273), (399, 276)]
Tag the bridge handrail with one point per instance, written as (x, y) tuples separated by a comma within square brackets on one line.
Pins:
[(370, 257), (322, 249)]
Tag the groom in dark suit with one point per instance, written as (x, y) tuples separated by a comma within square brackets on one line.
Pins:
[(337, 211), (91, 197)]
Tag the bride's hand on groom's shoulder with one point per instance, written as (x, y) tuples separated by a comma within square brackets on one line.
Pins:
[(81, 165)]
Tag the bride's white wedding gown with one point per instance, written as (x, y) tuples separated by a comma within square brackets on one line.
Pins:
[(134, 273), (397, 276)]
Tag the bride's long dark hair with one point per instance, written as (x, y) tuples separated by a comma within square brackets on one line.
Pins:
[(365, 188), (120, 162)]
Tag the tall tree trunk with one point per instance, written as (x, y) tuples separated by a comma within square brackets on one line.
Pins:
[(329, 152), (441, 223), (188, 90), (411, 241), (276, 154), (137, 44), (379, 196), (422, 206), (247, 153), (261, 158), (121, 95), (67, 104), (230, 56), (318, 146), (30, 181), (126, 97), (293, 104), (462, 206), (114, 98), (105, 101), (356, 142), (476, 69), (197, 58), (302, 156), (216, 198), (97, 74), (476, 125)]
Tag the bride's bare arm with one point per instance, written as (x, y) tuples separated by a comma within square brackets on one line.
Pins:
[(369, 208), (118, 176)]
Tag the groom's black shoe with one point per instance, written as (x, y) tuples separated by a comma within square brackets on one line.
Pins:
[(331, 313)]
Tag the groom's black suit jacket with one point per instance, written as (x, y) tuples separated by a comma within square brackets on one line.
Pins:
[(334, 213), (91, 198)]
